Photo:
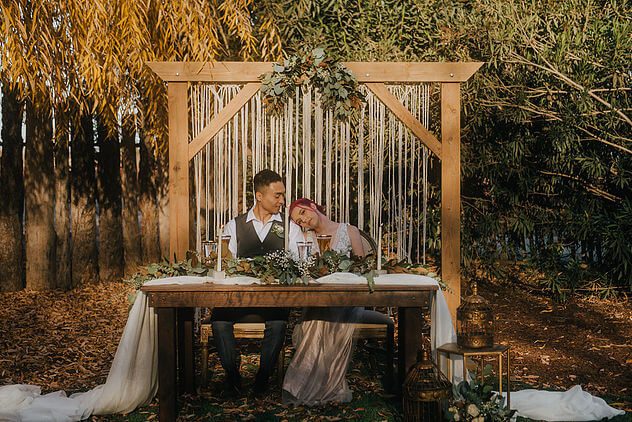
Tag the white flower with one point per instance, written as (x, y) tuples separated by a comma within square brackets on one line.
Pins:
[(479, 419), (472, 410), (456, 417)]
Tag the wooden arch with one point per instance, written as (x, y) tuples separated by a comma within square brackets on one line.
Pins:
[(374, 75)]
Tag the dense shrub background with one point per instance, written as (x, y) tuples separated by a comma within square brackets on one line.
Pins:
[(547, 135)]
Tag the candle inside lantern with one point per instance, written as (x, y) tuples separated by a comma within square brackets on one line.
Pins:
[(286, 231), (379, 250), (219, 249)]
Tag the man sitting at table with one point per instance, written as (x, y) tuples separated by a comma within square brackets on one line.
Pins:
[(255, 233)]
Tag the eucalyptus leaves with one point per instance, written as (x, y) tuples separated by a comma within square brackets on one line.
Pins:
[(337, 86), (280, 267), (288, 270), (478, 403)]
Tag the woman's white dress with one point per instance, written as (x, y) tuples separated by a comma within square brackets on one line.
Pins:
[(324, 344)]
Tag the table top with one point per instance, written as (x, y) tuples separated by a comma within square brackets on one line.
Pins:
[(256, 295), (492, 350)]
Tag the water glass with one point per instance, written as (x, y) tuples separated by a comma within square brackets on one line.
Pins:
[(209, 250), (304, 249)]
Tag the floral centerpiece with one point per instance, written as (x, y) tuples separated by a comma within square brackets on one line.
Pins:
[(478, 403)]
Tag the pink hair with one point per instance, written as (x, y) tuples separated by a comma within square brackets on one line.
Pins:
[(306, 204)]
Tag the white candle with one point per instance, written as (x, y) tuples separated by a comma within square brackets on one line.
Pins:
[(286, 231), (219, 249), (379, 250)]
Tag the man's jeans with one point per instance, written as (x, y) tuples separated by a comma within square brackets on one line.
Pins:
[(224, 338)]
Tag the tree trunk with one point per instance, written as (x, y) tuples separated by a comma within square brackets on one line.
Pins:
[(39, 196), (131, 228), (150, 245), (11, 193), (110, 228), (62, 199), (83, 193)]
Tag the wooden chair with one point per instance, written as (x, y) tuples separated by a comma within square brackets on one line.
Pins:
[(376, 325)]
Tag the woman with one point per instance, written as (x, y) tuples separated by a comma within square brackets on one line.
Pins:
[(324, 339), (310, 216)]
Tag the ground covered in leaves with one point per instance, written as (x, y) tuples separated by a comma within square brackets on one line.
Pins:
[(66, 340)]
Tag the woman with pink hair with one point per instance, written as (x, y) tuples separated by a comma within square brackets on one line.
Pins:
[(324, 338), (345, 238)]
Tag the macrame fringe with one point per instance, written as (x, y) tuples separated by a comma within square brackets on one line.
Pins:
[(322, 159)]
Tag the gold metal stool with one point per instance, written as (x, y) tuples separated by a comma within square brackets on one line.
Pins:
[(494, 350)]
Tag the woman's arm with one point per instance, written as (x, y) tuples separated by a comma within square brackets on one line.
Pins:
[(356, 241)]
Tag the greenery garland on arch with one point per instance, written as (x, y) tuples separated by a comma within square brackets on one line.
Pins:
[(337, 86)]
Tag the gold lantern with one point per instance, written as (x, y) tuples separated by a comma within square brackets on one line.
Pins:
[(474, 322), (426, 391)]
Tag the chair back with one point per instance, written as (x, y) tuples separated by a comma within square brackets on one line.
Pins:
[(368, 244)]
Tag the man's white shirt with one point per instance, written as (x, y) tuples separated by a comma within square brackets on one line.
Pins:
[(262, 229)]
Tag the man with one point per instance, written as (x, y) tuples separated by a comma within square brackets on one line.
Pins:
[(255, 233)]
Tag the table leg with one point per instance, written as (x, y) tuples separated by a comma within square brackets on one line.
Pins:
[(167, 390), (482, 370), (186, 358), (500, 373), (449, 369), (409, 339), (508, 381)]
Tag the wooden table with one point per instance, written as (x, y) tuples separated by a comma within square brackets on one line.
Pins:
[(174, 304)]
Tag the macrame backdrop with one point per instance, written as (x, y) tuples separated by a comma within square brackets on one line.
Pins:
[(340, 165)]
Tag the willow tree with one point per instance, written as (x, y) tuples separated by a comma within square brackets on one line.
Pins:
[(91, 60)]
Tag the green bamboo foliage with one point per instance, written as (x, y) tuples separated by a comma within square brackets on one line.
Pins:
[(547, 151)]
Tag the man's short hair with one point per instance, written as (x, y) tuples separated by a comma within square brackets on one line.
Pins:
[(264, 178)]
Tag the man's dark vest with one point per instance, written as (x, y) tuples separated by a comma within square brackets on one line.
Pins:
[(248, 243), (249, 246)]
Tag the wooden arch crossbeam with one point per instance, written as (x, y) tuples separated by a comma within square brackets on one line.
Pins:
[(375, 75)]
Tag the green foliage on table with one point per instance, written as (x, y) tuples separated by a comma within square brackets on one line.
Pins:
[(478, 403), (278, 267), (336, 85), (160, 270), (284, 268), (546, 130)]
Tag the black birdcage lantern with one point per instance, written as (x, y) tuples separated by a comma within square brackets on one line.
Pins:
[(474, 322), (426, 391)]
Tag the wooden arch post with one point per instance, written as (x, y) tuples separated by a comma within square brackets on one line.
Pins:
[(375, 75)]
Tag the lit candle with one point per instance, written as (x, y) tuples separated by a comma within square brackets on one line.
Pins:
[(379, 250), (286, 231), (219, 249)]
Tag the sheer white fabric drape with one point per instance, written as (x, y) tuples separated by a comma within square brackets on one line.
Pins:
[(132, 380)]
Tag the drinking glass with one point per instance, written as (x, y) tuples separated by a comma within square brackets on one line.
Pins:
[(304, 249), (323, 242), (225, 241), (209, 250)]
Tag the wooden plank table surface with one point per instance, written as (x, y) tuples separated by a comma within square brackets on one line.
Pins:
[(174, 303)]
